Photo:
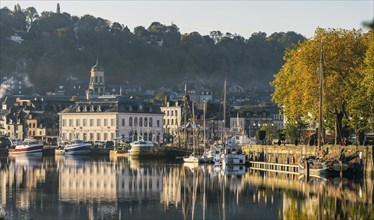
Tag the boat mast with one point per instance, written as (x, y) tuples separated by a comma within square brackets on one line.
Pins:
[(193, 127), (185, 115), (204, 121), (224, 112), (320, 133)]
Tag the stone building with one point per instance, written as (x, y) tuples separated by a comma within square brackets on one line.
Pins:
[(96, 86), (109, 118)]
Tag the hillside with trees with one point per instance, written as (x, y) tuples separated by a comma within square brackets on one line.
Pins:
[(57, 44)]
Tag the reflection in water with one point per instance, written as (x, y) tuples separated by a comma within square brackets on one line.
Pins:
[(96, 188)]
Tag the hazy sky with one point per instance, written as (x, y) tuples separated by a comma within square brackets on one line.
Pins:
[(240, 17)]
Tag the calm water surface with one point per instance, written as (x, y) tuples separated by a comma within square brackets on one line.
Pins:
[(101, 188)]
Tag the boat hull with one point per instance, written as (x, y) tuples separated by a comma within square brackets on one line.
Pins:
[(32, 150), (78, 150)]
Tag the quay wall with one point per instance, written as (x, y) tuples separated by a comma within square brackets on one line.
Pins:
[(293, 154)]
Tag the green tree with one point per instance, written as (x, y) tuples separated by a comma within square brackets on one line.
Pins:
[(296, 84)]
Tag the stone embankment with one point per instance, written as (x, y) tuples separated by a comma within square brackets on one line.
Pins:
[(293, 154)]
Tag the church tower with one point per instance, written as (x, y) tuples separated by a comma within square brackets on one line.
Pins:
[(97, 84)]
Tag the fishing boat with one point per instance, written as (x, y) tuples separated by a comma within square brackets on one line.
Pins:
[(141, 148), (77, 147), (27, 146)]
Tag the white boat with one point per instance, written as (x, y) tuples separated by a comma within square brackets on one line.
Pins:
[(141, 148), (236, 170), (27, 146), (232, 153), (192, 159), (77, 147)]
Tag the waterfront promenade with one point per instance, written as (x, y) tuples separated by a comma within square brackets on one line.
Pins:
[(289, 154)]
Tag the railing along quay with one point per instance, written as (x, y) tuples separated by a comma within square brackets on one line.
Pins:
[(274, 167)]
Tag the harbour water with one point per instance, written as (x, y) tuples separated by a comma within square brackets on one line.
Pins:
[(74, 187)]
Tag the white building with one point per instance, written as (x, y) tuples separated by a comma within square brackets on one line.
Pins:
[(172, 117), (110, 118)]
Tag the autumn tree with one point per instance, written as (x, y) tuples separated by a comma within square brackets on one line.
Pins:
[(297, 83)]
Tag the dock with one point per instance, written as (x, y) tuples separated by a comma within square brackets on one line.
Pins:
[(274, 167)]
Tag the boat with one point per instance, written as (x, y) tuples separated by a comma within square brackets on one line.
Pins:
[(232, 153), (27, 146), (142, 148), (193, 158), (77, 147)]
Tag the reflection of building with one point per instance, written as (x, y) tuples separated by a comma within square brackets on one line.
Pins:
[(171, 190), (94, 181), (20, 174), (139, 183)]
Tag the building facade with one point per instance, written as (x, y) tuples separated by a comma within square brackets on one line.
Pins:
[(111, 118), (96, 87), (172, 116)]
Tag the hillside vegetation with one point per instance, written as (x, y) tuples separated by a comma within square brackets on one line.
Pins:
[(57, 44)]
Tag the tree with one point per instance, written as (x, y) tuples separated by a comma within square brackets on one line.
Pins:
[(296, 84), (31, 16)]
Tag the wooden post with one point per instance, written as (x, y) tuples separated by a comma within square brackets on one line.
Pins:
[(341, 168), (307, 170)]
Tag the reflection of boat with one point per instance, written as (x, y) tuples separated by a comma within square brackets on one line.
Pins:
[(316, 166), (233, 169), (28, 146), (77, 147)]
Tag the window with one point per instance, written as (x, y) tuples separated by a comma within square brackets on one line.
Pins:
[(123, 122), (130, 121), (105, 122), (140, 122), (158, 123), (98, 137), (111, 136), (167, 113), (91, 136), (112, 122), (63, 122), (145, 122), (167, 122), (176, 113), (150, 122), (77, 122), (91, 123), (136, 121), (105, 136), (70, 122), (84, 122), (98, 122), (172, 113)]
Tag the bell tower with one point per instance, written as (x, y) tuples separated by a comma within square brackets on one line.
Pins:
[(97, 83)]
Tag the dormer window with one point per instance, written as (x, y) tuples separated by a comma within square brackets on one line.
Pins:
[(99, 108), (85, 108), (78, 109), (140, 107), (92, 109)]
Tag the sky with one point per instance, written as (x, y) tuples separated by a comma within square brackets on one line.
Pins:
[(236, 17)]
